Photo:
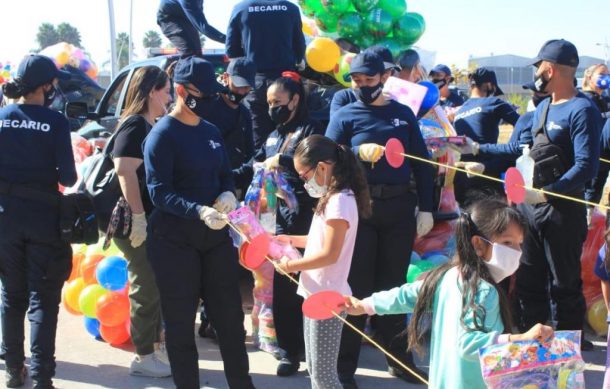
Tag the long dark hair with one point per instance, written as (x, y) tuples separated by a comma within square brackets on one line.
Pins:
[(145, 80), (486, 218), (291, 82), (16, 89), (347, 171)]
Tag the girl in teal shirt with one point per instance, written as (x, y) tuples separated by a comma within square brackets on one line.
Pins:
[(489, 236)]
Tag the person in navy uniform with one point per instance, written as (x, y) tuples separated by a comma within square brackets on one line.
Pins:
[(189, 178), (34, 262), (181, 21), (270, 34), (441, 76), (385, 241)]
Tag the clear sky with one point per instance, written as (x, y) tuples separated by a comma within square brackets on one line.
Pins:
[(455, 29)]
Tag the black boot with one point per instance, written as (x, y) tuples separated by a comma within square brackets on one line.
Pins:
[(288, 366), (15, 376), (43, 384)]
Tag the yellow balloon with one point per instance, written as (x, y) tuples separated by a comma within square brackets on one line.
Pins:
[(62, 58), (322, 54), (341, 70), (597, 315)]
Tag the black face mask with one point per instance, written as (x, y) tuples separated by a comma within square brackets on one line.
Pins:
[(440, 83), (49, 96), (368, 94), (280, 114), (540, 83), (201, 106), (235, 98)]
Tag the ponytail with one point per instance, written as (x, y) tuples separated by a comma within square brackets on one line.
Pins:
[(347, 170), (15, 89)]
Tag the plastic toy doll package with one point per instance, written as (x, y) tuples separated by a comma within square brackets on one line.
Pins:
[(534, 365)]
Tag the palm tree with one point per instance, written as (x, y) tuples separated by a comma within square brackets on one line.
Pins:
[(151, 39)]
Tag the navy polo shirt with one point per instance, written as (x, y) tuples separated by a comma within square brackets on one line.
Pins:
[(186, 166), (452, 101), (479, 118), (513, 149), (596, 187), (358, 123), (35, 147), (341, 99), (193, 11), (268, 32)]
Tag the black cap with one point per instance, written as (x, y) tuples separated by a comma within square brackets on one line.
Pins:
[(558, 51), (37, 70), (483, 75), (386, 56), (368, 63), (440, 68), (198, 72), (242, 72)]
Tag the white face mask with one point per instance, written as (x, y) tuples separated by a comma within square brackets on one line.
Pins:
[(313, 188), (504, 261)]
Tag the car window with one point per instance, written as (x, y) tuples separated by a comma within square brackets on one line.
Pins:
[(114, 96)]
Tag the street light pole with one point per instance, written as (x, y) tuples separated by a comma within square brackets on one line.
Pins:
[(606, 48), (130, 48), (113, 64)]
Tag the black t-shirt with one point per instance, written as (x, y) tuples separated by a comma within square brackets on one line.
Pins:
[(128, 143)]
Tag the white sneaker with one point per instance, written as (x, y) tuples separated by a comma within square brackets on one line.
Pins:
[(161, 353), (149, 366)]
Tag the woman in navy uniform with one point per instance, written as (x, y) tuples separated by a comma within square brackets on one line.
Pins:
[(35, 156)]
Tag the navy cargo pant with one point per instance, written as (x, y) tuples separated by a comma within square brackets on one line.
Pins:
[(256, 101), (183, 36), (550, 264), (34, 264), (192, 261), (381, 257)]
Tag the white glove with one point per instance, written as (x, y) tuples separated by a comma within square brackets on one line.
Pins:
[(469, 148), (272, 162), (212, 218), (138, 229), (474, 167), (590, 211), (226, 202), (425, 222), (370, 152), (301, 65), (533, 197)]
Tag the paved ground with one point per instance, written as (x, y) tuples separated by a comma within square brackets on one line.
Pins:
[(83, 362)]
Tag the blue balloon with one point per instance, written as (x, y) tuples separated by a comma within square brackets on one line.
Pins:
[(111, 273), (431, 98), (415, 257), (431, 253), (92, 326)]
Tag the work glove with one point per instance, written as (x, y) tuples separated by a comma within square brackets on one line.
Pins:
[(475, 167), (272, 162), (425, 222), (226, 202), (212, 218), (138, 229), (469, 148), (590, 211), (370, 152), (533, 197)]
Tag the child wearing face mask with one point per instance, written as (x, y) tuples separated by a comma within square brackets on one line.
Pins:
[(333, 175), (467, 307)]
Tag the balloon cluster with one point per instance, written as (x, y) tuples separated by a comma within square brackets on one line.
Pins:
[(5, 72), (67, 54), (97, 289)]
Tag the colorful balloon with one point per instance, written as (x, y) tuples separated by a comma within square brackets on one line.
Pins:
[(349, 26), (365, 6), (88, 266), (392, 45), (418, 268), (92, 326), (112, 309), (322, 54), (408, 29), (310, 7), (396, 8), (66, 306), (72, 293), (336, 7), (432, 96), (378, 23), (419, 17), (111, 273), (341, 70), (597, 315), (114, 336), (77, 259), (326, 22), (88, 298)]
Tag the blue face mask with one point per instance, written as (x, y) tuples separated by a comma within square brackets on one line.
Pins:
[(603, 81)]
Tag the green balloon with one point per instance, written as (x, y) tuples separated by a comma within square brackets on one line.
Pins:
[(364, 6), (408, 30), (416, 269), (349, 26), (394, 47), (420, 18), (378, 23), (310, 7), (326, 22), (396, 8), (88, 298), (364, 41), (336, 7)]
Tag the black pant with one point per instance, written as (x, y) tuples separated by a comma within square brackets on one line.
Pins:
[(182, 35), (190, 260), (256, 101), (34, 264), (381, 258), (551, 255), (287, 304)]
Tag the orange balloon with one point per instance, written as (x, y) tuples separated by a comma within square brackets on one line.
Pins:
[(114, 335), (66, 306), (88, 266), (77, 258), (72, 293), (112, 309)]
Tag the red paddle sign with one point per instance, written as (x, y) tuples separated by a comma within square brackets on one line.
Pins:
[(254, 253), (321, 305), (393, 153), (514, 186)]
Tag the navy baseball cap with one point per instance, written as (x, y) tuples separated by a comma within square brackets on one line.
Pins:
[(242, 72), (386, 56), (36, 70), (558, 51), (198, 72), (368, 63), (483, 75), (440, 68)]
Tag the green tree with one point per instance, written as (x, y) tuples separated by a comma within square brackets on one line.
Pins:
[(68, 33), (122, 47), (47, 35), (151, 39)]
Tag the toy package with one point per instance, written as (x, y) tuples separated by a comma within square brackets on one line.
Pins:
[(534, 365)]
